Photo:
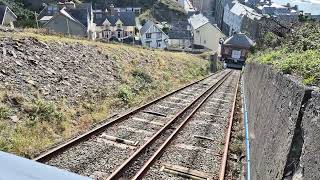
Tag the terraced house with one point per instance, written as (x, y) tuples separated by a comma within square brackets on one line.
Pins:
[(114, 24)]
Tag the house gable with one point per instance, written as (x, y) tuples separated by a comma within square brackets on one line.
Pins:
[(6, 15), (106, 23)]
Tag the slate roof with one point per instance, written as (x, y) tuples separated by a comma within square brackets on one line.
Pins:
[(179, 34), (239, 39), (81, 15), (146, 27), (2, 11), (243, 10), (198, 20), (127, 18)]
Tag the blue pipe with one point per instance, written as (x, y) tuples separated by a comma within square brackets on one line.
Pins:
[(246, 126)]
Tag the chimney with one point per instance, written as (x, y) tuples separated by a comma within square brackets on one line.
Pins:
[(70, 5), (112, 10)]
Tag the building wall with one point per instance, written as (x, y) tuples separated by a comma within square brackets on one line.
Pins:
[(179, 42), (233, 21), (60, 25), (158, 38), (208, 36)]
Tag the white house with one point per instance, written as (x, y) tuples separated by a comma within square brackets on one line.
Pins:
[(204, 33), (234, 16), (152, 36)]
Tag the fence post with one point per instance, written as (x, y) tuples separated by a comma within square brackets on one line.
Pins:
[(213, 63)]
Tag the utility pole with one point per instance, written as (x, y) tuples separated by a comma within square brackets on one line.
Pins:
[(36, 17), (68, 27)]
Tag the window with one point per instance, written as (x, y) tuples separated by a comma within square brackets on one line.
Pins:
[(98, 16), (118, 25), (198, 31), (205, 41), (159, 43), (148, 35), (119, 34)]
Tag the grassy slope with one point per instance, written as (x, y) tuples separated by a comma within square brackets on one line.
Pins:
[(145, 75), (297, 54)]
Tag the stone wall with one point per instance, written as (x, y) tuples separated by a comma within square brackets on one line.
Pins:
[(277, 120)]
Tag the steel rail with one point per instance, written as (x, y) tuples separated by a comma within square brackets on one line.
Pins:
[(227, 139), (121, 169), (63, 147)]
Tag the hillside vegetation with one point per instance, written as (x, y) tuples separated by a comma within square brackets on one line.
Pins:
[(297, 54), (53, 88)]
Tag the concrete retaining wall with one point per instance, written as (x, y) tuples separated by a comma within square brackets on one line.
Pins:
[(310, 158), (275, 115)]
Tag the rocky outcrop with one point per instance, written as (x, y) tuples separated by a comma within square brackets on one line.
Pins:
[(55, 70), (283, 125)]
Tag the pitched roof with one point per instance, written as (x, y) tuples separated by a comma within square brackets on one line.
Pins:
[(2, 11), (243, 10), (146, 27), (127, 18), (80, 15), (239, 39), (198, 20), (179, 34)]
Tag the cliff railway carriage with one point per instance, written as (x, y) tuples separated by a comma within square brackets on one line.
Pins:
[(234, 50)]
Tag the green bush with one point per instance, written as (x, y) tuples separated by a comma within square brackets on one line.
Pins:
[(125, 94), (298, 53), (40, 111)]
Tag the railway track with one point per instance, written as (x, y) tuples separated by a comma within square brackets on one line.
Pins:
[(129, 146)]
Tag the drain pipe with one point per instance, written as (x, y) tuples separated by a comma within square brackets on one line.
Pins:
[(246, 126)]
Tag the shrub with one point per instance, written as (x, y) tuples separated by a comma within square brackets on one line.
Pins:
[(125, 94), (40, 110)]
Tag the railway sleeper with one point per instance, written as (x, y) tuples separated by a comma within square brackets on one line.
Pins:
[(184, 172)]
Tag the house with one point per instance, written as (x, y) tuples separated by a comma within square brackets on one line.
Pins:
[(152, 36), (235, 49), (115, 24), (241, 18), (72, 20), (283, 14), (204, 33), (180, 35), (180, 38), (7, 17)]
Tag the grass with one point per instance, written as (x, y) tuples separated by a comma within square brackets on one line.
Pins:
[(142, 75), (297, 54)]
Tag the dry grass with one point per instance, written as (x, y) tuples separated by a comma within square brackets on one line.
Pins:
[(144, 75)]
